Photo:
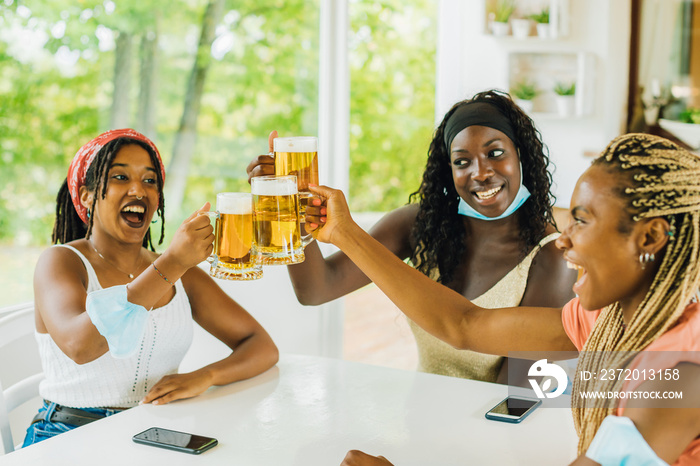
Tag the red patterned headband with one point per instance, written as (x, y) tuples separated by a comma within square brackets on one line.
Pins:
[(78, 169)]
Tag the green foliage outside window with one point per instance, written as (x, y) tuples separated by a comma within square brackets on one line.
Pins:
[(392, 100), (58, 89)]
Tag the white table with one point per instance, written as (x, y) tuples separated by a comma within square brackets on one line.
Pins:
[(311, 411)]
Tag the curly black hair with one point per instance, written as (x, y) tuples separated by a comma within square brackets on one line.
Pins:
[(439, 232), (68, 225)]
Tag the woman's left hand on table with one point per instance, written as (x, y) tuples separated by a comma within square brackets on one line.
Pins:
[(176, 387)]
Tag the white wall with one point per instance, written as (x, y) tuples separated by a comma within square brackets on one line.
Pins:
[(312, 330), (469, 61)]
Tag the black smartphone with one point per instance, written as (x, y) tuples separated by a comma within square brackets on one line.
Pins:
[(173, 440), (513, 409)]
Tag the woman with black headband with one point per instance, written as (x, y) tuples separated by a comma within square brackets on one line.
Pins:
[(481, 224)]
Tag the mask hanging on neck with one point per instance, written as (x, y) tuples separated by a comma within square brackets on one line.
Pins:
[(520, 198)]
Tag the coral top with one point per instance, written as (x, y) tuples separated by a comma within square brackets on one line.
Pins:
[(681, 343)]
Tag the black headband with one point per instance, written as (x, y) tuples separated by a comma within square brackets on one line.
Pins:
[(479, 113)]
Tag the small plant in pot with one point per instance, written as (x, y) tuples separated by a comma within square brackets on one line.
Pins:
[(500, 17), (523, 92), (690, 115), (566, 103), (521, 27), (542, 20)]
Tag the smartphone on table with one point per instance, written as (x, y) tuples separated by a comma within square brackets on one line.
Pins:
[(174, 440), (513, 409)]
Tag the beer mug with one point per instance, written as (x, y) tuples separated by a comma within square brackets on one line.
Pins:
[(298, 156), (234, 256), (276, 229)]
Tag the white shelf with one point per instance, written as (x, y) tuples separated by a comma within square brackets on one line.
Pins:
[(546, 69), (689, 133), (546, 61), (558, 17), (552, 116)]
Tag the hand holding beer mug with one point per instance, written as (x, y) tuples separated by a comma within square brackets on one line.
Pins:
[(234, 256), (328, 213), (298, 156), (277, 233)]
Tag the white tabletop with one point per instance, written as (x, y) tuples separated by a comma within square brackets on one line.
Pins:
[(311, 411)]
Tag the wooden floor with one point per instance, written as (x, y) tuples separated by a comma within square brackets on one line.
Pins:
[(376, 332)]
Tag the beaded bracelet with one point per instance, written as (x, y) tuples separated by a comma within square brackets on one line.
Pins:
[(160, 273)]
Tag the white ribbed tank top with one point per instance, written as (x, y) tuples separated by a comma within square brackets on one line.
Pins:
[(119, 383)]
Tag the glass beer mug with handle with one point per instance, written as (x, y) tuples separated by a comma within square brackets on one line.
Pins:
[(234, 256), (298, 156), (277, 232)]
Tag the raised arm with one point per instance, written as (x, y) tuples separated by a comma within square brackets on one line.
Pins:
[(318, 279), (61, 281), (460, 323)]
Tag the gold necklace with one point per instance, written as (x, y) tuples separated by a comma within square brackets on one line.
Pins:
[(130, 275)]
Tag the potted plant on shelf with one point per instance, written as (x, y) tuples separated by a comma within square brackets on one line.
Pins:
[(566, 103), (542, 20), (521, 27), (686, 128), (690, 115), (500, 17), (523, 93)]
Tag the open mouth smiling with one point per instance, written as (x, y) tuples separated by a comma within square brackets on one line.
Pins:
[(573, 266), (134, 214), (484, 195), (582, 275)]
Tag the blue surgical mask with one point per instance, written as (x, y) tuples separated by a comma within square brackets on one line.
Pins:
[(520, 198), (122, 323)]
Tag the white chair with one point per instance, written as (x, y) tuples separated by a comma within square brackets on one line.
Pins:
[(21, 369)]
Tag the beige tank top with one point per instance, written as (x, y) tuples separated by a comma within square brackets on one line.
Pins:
[(437, 357)]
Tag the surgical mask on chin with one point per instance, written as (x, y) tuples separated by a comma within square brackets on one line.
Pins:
[(522, 196)]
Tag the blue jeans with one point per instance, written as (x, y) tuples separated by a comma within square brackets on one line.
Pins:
[(45, 429)]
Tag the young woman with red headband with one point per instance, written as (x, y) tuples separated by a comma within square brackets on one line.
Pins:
[(113, 317)]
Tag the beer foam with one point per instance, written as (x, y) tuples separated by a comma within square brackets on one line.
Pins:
[(296, 144), (274, 188), (238, 204)]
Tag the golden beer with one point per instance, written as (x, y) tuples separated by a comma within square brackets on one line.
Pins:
[(234, 256), (303, 165), (277, 233), (234, 238), (298, 156)]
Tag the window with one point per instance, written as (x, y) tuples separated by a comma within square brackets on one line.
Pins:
[(206, 80)]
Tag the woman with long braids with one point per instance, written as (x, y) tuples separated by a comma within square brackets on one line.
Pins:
[(635, 238), (480, 224), (113, 317)]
